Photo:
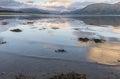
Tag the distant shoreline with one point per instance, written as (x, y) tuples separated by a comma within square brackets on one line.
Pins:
[(31, 14), (52, 15)]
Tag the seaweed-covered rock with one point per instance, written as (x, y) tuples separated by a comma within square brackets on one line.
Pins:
[(3, 42), (71, 75), (84, 39), (60, 50), (94, 40), (30, 22), (55, 28), (118, 60), (98, 40), (76, 28), (16, 30)]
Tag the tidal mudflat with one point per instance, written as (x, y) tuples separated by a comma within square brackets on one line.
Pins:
[(43, 47)]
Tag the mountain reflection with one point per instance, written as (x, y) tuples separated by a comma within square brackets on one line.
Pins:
[(89, 20), (101, 20)]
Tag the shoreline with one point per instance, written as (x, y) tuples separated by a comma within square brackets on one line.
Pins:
[(55, 15), (45, 68)]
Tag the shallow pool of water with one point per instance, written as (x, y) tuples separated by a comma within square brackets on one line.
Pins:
[(42, 37)]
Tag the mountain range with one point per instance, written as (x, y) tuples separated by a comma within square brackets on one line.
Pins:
[(93, 9), (25, 10), (99, 9)]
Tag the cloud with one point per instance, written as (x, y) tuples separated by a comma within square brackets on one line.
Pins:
[(10, 3), (58, 5), (65, 3), (117, 0)]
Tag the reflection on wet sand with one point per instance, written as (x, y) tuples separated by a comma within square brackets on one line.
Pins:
[(79, 43), (108, 54), (116, 30)]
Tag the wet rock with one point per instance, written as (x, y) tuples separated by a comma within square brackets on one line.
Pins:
[(55, 28), (84, 39), (94, 40), (71, 75), (98, 40), (60, 50), (30, 22), (3, 42), (76, 28), (4, 23), (118, 60), (16, 30), (2, 73), (42, 28)]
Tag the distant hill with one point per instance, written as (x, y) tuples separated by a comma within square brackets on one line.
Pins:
[(93, 9), (24, 10), (34, 10), (8, 10), (99, 9)]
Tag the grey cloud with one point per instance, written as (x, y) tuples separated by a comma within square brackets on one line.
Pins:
[(10, 3)]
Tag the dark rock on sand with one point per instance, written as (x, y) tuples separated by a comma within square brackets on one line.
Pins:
[(3, 42), (118, 60), (60, 50), (16, 30), (55, 28), (98, 40), (94, 39), (76, 28), (30, 22), (83, 39)]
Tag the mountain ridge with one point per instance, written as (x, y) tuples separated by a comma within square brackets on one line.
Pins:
[(25, 10), (92, 9), (99, 9)]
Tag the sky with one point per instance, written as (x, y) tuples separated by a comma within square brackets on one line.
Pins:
[(55, 5)]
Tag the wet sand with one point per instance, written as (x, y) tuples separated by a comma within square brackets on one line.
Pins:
[(42, 68)]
